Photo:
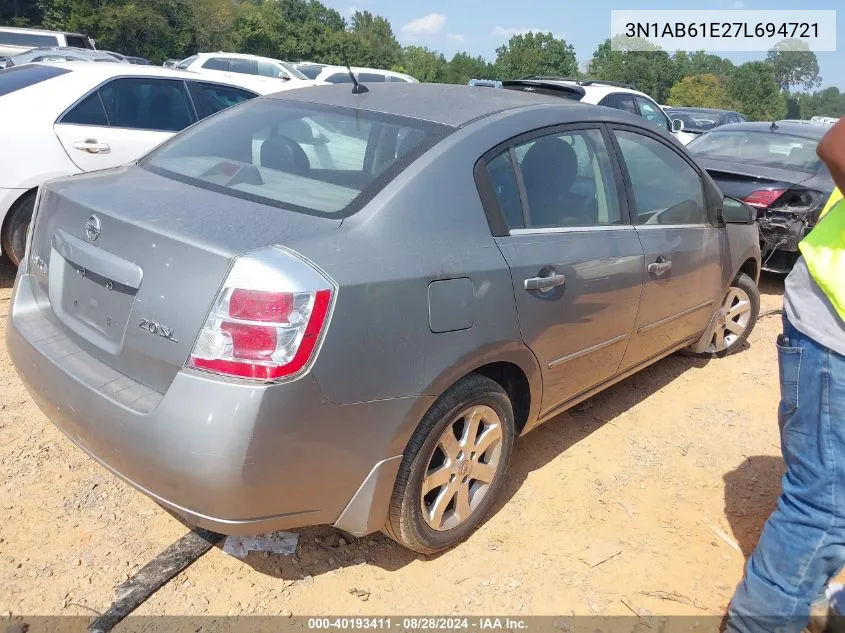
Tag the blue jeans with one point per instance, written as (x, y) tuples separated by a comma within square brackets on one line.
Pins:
[(803, 543)]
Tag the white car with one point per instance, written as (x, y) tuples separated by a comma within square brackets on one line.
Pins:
[(14, 40), (63, 119), (340, 75), (265, 73), (623, 97)]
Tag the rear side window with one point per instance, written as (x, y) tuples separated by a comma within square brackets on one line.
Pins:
[(19, 77), (303, 157), (212, 98), (620, 101), (27, 39), (339, 78), (215, 63), (89, 111), (78, 41), (147, 104), (393, 78), (370, 77)]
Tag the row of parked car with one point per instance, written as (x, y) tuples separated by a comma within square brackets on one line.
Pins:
[(342, 304)]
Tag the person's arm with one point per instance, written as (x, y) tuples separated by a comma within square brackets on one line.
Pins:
[(831, 150)]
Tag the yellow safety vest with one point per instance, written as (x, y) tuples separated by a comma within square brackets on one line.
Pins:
[(824, 252)]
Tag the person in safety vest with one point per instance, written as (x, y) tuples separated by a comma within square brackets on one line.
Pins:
[(802, 546)]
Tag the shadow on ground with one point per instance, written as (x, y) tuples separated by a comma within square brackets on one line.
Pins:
[(751, 493), (324, 549), (7, 273)]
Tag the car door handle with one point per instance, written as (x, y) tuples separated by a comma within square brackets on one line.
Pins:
[(659, 267), (92, 146), (544, 283)]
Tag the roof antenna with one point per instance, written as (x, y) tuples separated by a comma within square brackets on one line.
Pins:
[(774, 126), (357, 88)]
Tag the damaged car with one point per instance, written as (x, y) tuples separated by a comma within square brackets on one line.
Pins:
[(774, 168)]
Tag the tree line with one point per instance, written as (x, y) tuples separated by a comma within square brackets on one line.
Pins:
[(783, 85)]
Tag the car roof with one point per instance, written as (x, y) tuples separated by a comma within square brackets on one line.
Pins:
[(239, 56), (702, 110), (447, 104), (782, 127), (20, 29)]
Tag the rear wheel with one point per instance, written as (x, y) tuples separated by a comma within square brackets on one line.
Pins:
[(736, 318), (15, 227), (453, 467)]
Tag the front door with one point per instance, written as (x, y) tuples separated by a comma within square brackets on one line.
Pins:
[(682, 244), (575, 261), (122, 120)]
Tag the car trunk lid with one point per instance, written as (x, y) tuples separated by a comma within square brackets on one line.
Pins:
[(739, 180), (131, 262)]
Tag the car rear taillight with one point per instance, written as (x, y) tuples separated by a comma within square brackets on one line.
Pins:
[(763, 198), (267, 320)]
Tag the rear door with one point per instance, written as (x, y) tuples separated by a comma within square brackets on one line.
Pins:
[(575, 261), (682, 243), (123, 119)]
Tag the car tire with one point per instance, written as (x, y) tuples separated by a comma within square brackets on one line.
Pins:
[(736, 318), (430, 451), (15, 227)]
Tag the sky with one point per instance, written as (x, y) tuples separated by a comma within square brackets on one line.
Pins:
[(479, 26)]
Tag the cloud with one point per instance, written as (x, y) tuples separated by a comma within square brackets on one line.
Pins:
[(510, 31), (456, 37), (427, 25), (738, 4), (351, 11)]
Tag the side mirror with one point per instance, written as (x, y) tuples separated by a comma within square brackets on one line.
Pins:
[(284, 77), (677, 125), (737, 212)]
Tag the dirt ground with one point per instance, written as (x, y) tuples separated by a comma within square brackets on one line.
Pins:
[(658, 475)]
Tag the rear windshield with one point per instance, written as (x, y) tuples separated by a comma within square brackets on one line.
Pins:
[(764, 149), (19, 77), (27, 39), (305, 157)]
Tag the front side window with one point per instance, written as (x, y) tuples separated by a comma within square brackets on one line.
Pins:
[(568, 182), (667, 190), (339, 78), (652, 113), (620, 101), (303, 157), (89, 111), (243, 66), (147, 104), (266, 69), (214, 63), (370, 77), (212, 98)]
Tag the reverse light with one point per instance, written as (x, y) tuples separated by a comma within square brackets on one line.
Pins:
[(267, 320), (763, 198)]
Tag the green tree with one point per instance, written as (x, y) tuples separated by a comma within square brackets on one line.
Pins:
[(536, 54), (650, 71), (794, 65), (700, 63), (373, 42), (754, 92), (464, 67), (135, 30), (703, 91), (424, 64)]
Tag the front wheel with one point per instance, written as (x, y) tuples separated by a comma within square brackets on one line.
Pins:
[(736, 318), (453, 467)]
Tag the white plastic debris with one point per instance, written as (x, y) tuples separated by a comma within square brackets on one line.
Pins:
[(276, 542)]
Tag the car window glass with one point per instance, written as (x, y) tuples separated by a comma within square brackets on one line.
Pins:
[(214, 97), (653, 114), (339, 78), (76, 41), (621, 101), (266, 69), (667, 190), (213, 63), (395, 79), (27, 39), (147, 104), (310, 72), (370, 77), (89, 111), (243, 66), (19, 77), (300, 156), (187, 62), (503, 178), (568, 180)]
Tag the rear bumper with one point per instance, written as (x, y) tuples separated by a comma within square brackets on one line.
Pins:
[(232, 457)]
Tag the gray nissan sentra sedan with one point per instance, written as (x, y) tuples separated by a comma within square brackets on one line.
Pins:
[(333, 308)]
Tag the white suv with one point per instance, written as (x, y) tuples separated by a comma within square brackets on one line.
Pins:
[(264, 72), (622, 97), (14, 41)]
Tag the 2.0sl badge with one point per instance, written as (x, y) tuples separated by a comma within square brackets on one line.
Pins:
[(157, 328)]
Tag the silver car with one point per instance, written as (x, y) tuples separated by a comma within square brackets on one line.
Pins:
[(324, 307)]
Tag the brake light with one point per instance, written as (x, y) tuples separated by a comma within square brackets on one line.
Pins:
[(268, 318), (763, 198)]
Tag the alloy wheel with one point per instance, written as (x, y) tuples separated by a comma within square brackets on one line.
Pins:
[(732, 321)]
